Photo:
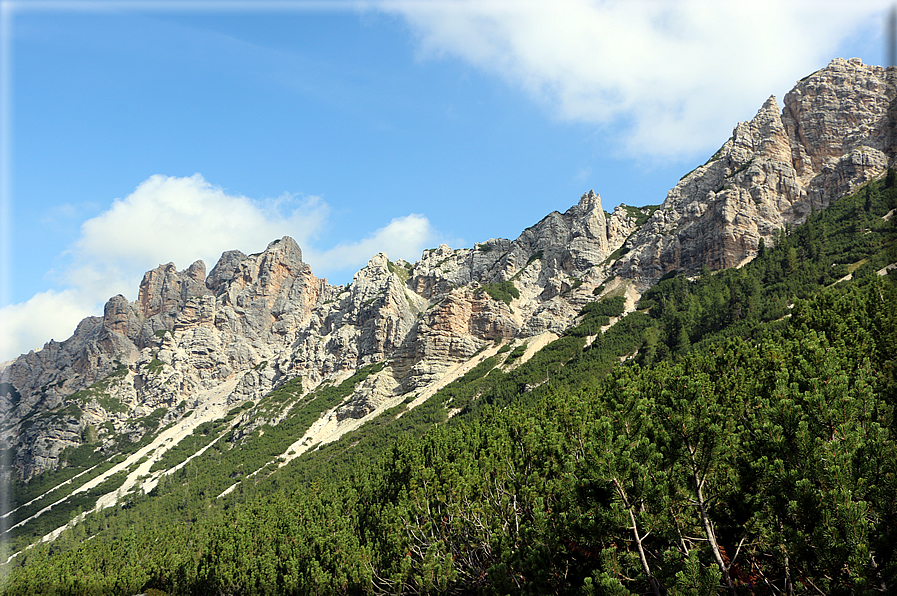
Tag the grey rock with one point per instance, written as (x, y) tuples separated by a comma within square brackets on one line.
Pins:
[(835, 133), (258, 320)]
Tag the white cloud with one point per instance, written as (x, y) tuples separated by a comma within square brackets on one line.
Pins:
[(170, 219), (45, 316), (675, 76), (181, 220), (403, 238)]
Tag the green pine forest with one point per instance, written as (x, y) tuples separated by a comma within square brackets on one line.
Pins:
[(736, 434)]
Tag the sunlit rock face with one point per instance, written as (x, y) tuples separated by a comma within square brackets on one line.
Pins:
[(255, 321), (834, 134)]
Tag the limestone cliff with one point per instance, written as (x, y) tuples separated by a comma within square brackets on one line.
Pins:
[(835, 133), (256, 321)]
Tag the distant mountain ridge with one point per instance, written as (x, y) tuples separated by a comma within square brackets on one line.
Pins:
[(256, 321)]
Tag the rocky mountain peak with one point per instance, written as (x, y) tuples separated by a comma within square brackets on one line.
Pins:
[(258, 320), (836, 110), (165, 289), (589, 203), (224, 271), (589, 219), (835, 133), (764, 136)]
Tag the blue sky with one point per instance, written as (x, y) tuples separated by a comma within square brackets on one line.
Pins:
[(137, 133)]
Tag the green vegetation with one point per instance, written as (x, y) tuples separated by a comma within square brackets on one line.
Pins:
[(575, 282), (403, 272), (111, 404), (288, 392), (151, 421), (204, 434), (599, 313), (517, 352), (743, 167), (82, 466), (610, 483), (79, 465), (70, 411), (616, 254), (809, 75), (503, 291), (641, 214), (154, 366), (747, 444), (714, 157), (100, 388), (246, 405), (718, 154), (89, 434)]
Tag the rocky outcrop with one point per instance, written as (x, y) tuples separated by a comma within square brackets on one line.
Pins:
[(452, 331), (165, 290), (835, 133), (258, 320), (554, 264)]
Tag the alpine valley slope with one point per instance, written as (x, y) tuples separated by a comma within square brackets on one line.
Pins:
[(194, 347)]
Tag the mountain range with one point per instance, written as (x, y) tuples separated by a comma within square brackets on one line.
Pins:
[(257, 342)]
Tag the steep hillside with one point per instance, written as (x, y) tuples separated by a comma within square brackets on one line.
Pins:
[(743, 441), (260, 362), (259, 320)]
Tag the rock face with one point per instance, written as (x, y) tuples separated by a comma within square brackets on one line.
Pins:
[(256, 321), (259, 320), (835, 133)]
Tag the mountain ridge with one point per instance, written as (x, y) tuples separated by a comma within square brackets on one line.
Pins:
[(270, 308), (792, 363), (256, 321), (835, 133)]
